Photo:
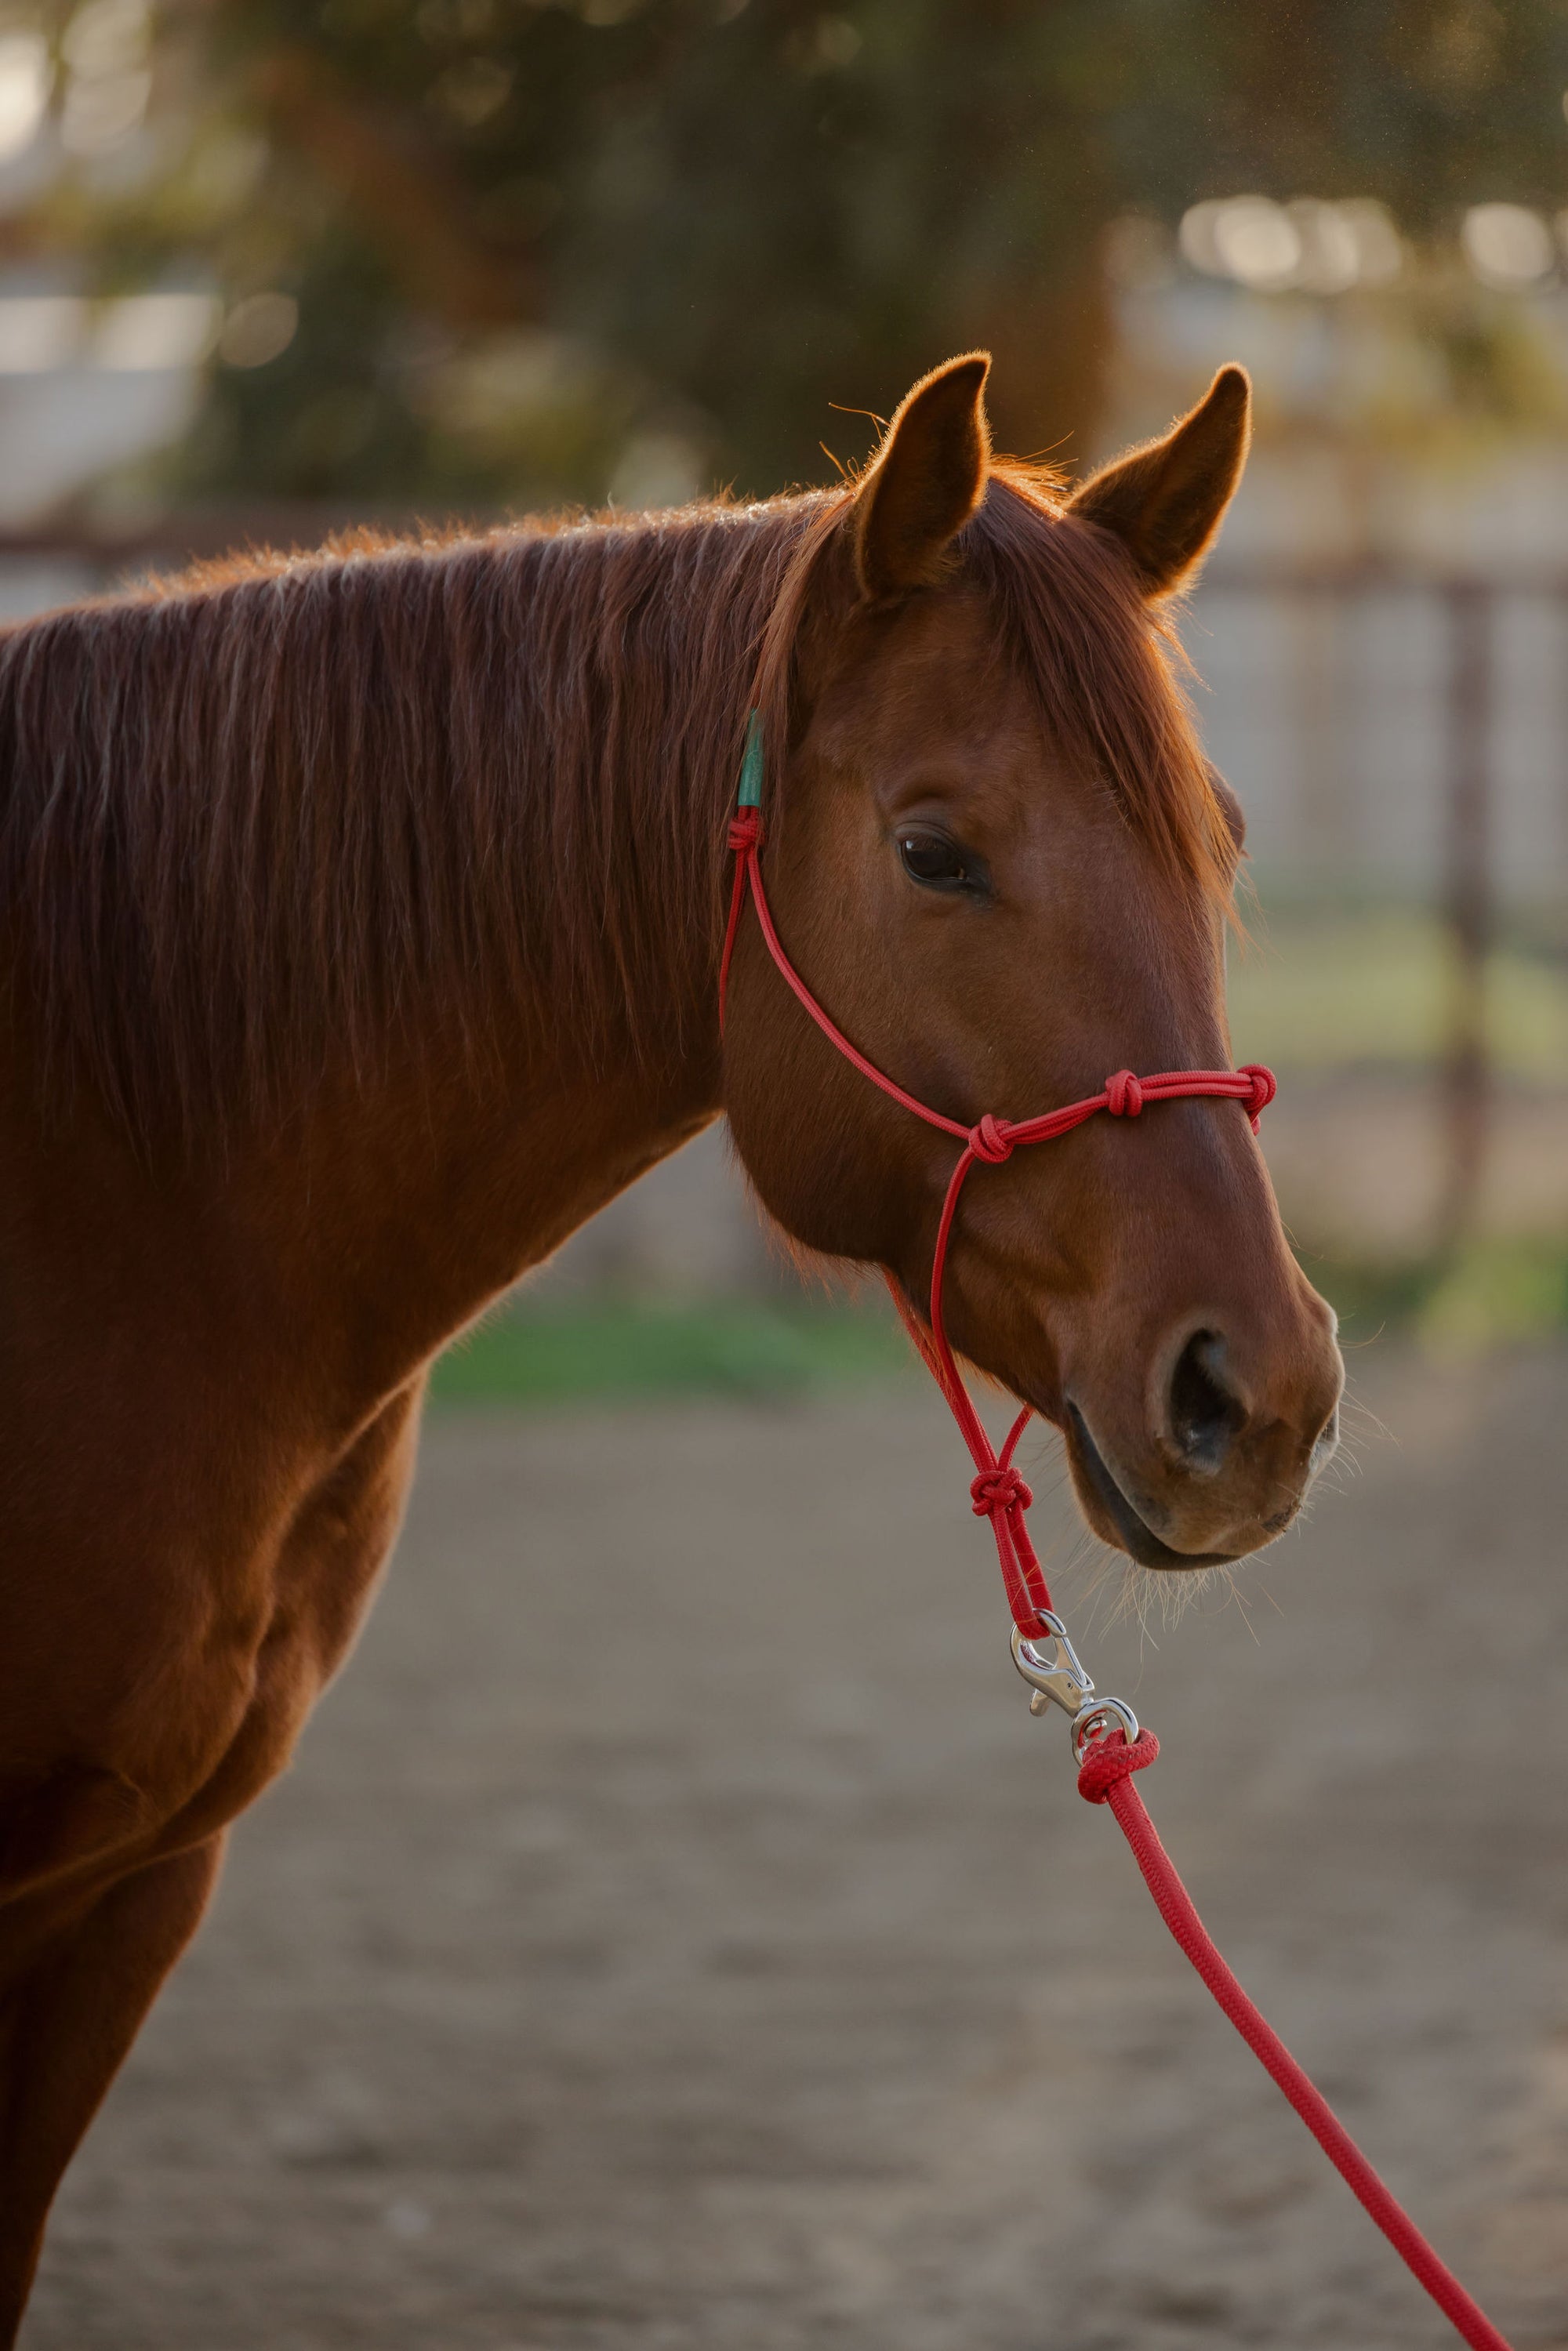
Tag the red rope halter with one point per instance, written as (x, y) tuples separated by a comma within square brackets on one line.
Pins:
[(999, 1493), (998, 1490)]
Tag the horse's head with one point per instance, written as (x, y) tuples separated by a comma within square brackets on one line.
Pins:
[(998, 858)]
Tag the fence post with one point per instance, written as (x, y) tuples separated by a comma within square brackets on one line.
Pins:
[(1469, 905)]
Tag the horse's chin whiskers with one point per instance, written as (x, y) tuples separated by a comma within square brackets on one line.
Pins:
[(1332, 1479), (1356, 1407), (1180, 1591)]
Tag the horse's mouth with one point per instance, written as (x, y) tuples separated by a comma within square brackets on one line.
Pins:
[(1135, 1536)]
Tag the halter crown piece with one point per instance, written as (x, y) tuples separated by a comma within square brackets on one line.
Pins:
[(1107, 1742)]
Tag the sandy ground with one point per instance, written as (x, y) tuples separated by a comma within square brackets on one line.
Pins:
[(676, 1932)]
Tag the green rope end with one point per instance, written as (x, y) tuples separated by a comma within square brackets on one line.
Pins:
[(750, 794)]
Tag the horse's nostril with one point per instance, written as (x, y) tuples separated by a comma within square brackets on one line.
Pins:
[(1205, 1416)]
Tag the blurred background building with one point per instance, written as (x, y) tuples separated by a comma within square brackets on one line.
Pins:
[(264, 271)]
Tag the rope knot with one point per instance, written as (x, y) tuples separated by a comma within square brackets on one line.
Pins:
[(1111, 1761), (1000, 1489), (1123, 1094), (991, 1141), (745, 831), (1265, 1086)]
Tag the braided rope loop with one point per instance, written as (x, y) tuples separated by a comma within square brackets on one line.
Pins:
[(991, 1141), (1000, 1489)]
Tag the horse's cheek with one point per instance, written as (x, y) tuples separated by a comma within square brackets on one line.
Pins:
[(833, 1176)]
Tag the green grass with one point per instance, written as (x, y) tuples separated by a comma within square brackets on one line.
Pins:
[(1317, 992), (532, 1355), (1494, 1293), (1321, 992)]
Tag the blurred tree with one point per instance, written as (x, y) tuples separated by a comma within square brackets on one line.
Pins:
[(522, 249)]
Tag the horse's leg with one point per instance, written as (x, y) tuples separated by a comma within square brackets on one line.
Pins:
[(79, 1968), (65, 2029)]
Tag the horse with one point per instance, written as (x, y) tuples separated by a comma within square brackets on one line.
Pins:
[(362, 913)]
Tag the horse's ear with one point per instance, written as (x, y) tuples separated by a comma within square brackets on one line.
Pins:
[(925, 480), (1165, 500)]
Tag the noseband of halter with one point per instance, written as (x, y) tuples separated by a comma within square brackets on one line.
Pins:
[(999, 1491)]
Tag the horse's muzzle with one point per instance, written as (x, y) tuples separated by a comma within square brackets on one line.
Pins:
[(1133, 1532)]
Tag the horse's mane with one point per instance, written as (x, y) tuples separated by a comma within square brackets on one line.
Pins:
[(250, 818)]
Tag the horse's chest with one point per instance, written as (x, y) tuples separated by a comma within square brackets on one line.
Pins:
[(216, 1667)]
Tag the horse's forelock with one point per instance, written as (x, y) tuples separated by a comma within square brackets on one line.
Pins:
[(1105, 665)]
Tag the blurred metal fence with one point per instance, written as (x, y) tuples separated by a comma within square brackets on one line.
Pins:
[(1403, 737), (1385, 729)]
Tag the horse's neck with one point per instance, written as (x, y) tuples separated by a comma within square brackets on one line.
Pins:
[(468, 1168), (319, 1266), (414, 1206)]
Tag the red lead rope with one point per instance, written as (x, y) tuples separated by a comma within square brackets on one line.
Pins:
[(999, 1493)]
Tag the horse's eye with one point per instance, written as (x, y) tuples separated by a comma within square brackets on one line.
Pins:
[(931, 858)]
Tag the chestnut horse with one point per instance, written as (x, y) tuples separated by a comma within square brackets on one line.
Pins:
[(361, 921)]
